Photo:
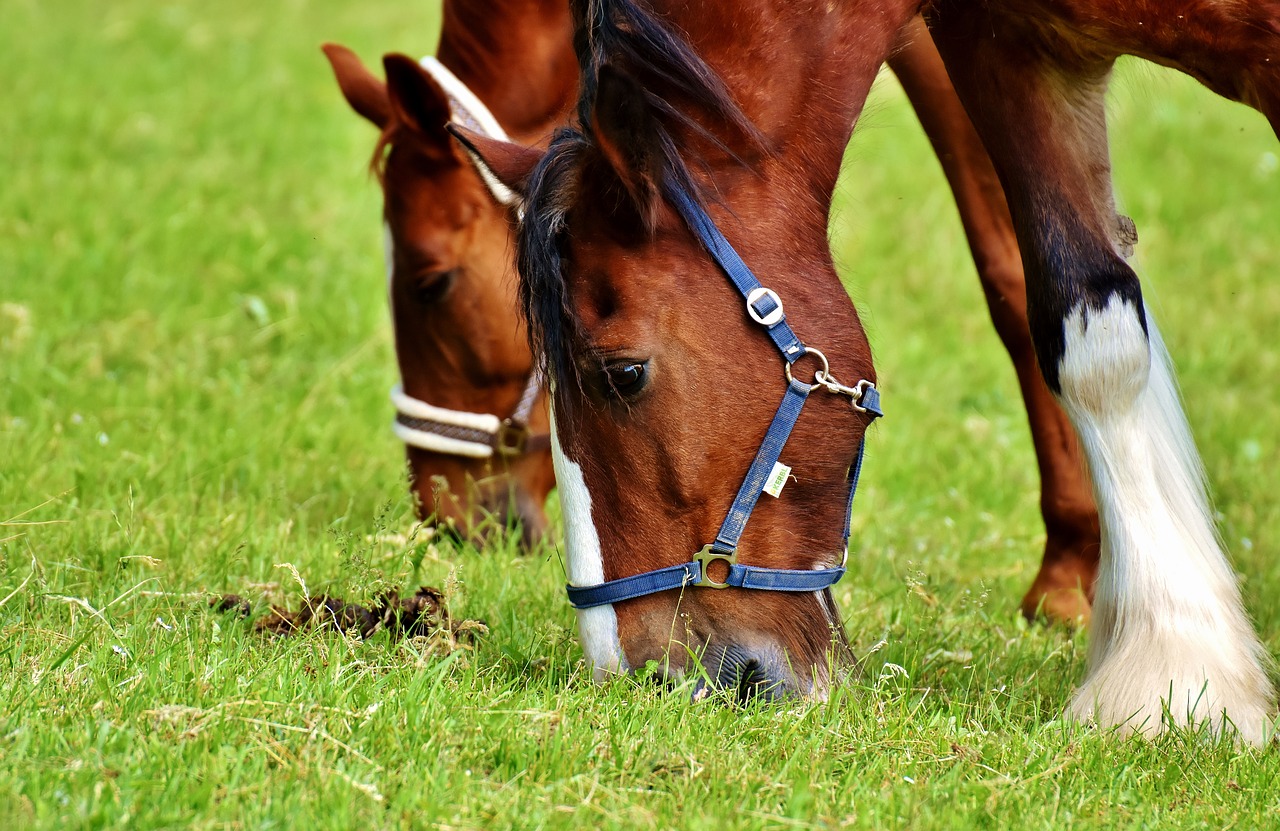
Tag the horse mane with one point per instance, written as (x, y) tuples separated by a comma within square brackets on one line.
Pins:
[(378, 161), (626, 35)]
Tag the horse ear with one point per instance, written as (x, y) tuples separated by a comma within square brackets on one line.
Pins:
[(366, 94), (504, 163), (627, 135), (417, 101)]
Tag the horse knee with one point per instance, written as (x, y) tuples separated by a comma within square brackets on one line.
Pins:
[(1106, 357), (1087, 320)]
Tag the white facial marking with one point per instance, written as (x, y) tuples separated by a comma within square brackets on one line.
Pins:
[(597, 627), (1167, 614)]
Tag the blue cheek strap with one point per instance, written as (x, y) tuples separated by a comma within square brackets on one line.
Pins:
[(763, 306)]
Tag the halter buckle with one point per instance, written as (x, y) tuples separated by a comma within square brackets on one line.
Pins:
[(859, 395), (706, 557), (511, 438), (770, 317)]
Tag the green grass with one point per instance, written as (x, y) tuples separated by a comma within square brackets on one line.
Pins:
[(195, 355)]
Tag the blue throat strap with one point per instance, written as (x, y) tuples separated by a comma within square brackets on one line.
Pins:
[(765, 308)]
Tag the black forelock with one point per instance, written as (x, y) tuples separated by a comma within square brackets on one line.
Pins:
[(626, 35), (544, 298)]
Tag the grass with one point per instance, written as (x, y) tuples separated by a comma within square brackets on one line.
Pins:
[(195, 356)]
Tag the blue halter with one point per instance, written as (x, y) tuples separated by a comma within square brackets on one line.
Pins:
[(765, 308)]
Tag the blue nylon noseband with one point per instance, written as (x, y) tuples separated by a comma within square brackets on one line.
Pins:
[(764, 306)]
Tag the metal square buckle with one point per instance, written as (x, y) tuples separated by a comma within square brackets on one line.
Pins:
[(773, 315), (706, 557), (511, 438)]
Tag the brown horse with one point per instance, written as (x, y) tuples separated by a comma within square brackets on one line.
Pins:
[(470, 407), (666, 387), (518, 60)]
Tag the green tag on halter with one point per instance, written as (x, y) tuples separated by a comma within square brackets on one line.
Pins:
[(777, 478)]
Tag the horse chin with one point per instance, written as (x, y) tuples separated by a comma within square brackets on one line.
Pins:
[(737, 661), (757, 667), (765, 675)]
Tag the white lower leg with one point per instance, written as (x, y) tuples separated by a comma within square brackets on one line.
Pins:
[(1169, 632)]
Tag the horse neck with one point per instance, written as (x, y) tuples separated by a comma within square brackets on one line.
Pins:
[(819, 71), (517, 56)]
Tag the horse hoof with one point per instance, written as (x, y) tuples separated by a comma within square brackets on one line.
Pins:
[(1067, 606), (1139, 694)]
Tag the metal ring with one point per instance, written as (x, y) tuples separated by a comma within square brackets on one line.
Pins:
[(705, 558), (772, 317), (818, 376), (511, 439)]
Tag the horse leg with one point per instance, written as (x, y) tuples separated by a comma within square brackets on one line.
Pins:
[(1170, 639), (1064, 586)]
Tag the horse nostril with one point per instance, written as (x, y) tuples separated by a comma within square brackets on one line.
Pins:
[(733, 670), (744, 683), (755, 681)]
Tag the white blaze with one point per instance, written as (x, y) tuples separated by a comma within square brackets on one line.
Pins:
[(597, 627)]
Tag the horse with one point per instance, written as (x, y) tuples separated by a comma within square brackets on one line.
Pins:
[(518, 58), (690, 171), (470, 406)]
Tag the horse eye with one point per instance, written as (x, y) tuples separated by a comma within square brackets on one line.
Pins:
[(626, 378), (429, 288)]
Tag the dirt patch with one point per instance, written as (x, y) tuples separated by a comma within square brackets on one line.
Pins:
[(420, 615)]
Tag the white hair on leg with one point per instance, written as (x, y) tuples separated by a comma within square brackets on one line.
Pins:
[(598, 626), (1169, 631)]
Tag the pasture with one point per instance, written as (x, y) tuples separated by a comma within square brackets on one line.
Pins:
[(195, 354)]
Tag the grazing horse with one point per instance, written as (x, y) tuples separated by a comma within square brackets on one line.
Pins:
[(470, 406), (518, 59), (677, 282)]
